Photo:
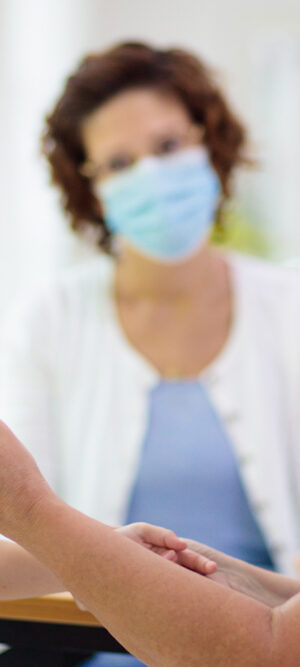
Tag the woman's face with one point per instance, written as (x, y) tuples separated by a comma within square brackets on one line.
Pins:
[(132, 125)]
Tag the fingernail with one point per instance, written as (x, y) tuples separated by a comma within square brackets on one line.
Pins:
[(211, 565)]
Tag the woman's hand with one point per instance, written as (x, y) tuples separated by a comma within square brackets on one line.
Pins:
[(259, 584), (230, 572), (165, 543)]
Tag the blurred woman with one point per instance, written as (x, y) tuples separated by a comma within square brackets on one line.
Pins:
[(167, 375)]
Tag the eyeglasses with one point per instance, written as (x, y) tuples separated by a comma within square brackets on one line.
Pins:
[(170, 143)]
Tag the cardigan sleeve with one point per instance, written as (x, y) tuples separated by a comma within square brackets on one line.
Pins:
[(28, 386)]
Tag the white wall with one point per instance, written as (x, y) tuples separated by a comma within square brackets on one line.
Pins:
[(42, 40)]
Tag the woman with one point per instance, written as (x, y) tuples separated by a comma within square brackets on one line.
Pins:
[(163, 614), (168, 375)]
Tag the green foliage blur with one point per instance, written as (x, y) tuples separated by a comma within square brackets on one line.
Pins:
[(236, 231)]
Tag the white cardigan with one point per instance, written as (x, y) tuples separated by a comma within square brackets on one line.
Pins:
[(76, 392)]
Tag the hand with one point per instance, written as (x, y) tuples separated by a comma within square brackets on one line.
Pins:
[(165, 543), (240, 576), (229, 572), (21, 484)]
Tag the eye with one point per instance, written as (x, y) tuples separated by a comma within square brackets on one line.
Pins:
[(169, 145), (119, 162)]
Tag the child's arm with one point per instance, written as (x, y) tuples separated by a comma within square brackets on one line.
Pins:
[(22, 575)]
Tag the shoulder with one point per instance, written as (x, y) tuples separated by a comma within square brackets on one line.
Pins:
[(62, 302), (263, 282), (265, 273), (85, 277), (71, 286), (83, 283), (270, 300)]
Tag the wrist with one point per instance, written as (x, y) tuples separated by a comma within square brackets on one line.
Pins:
[(254, 582)]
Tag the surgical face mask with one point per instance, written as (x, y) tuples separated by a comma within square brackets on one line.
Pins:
[(163, 206)]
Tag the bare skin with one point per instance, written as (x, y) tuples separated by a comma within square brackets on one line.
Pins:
[(178, 317), (179, 332), (164, 614), (261, 585), (23, 576)]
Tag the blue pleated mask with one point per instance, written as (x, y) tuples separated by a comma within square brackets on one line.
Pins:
[(163, 206)]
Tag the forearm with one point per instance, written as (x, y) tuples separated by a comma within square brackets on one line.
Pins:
[(163, 614), (22, 575), (267, 587)]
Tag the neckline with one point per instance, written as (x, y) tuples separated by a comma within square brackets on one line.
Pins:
[(147, 369)]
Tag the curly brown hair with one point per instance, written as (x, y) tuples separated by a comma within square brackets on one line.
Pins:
[(128, 65)]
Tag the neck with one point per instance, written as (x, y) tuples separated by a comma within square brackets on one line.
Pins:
[(138, 276)]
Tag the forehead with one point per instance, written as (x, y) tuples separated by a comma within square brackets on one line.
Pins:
[(132, 116)]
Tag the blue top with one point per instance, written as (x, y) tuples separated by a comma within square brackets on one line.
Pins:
[(188, 480)]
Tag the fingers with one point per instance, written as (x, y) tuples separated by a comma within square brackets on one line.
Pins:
[(170, 554), (204, 550), (189, 559), (165, 543), (196, 562), (161, 537)]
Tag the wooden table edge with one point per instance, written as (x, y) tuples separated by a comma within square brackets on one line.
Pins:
[(58, 608)]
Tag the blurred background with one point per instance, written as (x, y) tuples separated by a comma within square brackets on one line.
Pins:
[(254, 46)]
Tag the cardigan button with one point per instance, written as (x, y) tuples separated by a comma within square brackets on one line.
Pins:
[(209, 378), (278, 548), (261, 506), (231, 417), (246, 459)]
